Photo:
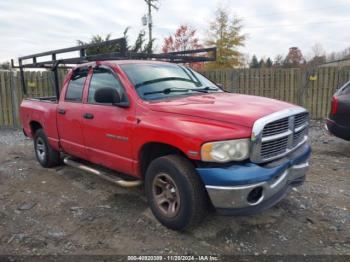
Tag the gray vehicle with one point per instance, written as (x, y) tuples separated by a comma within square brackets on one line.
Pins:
[(338, 122)]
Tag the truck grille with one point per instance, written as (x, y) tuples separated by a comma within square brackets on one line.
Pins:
[(276, 136), (299, 136), (276, 127), (301, 119), (275, 147)]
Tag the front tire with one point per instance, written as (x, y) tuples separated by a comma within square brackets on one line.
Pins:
[(45, 154), (175, 192)]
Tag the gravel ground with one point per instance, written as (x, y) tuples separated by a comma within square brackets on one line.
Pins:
[(65, 211)]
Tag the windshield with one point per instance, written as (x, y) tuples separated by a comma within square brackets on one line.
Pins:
[(158, 81)]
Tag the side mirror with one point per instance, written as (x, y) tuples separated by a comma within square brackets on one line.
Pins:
[(109, 95)]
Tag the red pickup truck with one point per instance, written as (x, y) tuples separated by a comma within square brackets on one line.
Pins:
[(194, 145)]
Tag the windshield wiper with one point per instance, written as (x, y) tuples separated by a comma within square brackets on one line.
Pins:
[(167, 91), (162, 80), (205, 89)]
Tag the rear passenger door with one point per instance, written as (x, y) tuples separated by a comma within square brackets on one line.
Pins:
[(107, 130), (69, 115)]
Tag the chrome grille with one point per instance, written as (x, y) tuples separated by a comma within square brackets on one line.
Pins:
[(299, 136), (276, 127), (301, 119), (270, 149), (278, 134)]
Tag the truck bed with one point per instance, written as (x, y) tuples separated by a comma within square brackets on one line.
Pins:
[(40, 111)]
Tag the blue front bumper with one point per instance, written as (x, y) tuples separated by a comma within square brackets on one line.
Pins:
[(249, 186)]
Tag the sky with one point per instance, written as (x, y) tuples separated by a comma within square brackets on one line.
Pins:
[(270, 26)]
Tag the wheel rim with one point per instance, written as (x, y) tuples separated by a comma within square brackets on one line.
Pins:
[(40, 149), (166, 195)]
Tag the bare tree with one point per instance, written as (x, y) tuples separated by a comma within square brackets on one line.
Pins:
[(318, 50), (339, 55), (317, 56), (278, 62)]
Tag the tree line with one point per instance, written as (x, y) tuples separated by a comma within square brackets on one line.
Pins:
[(224, 32), (293, 59)]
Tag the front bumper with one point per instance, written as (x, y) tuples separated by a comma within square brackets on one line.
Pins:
[(251, 188)]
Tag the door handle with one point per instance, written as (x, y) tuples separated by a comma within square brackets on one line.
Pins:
[(88, 116), (61, 111)]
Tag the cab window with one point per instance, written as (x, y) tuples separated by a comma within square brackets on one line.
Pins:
[(104, 78), (76, 85)]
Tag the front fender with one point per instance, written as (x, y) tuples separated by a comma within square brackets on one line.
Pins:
[(185, 133)]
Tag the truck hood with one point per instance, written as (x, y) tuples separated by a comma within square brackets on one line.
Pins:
[(232, 108)]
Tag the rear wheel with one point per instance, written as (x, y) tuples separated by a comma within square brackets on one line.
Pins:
[(45, 154), (175, 193)]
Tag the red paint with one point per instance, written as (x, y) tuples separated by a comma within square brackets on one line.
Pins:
[(115, 136)]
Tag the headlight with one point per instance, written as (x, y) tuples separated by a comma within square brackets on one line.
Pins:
[(225, 151)]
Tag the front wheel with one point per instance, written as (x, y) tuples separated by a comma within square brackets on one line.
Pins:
[(175, 193), (45, 154)]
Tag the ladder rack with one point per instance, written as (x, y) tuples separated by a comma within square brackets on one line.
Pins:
[(53, 63)]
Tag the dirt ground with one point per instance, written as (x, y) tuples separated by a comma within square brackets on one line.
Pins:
[(65, 211)]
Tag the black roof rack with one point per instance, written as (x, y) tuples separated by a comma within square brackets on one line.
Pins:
[(53, 63)]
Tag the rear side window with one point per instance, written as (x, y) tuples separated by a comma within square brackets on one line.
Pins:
[(103, 78), (76, 85)]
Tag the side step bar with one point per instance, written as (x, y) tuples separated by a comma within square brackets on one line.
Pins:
[(111, 178)]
